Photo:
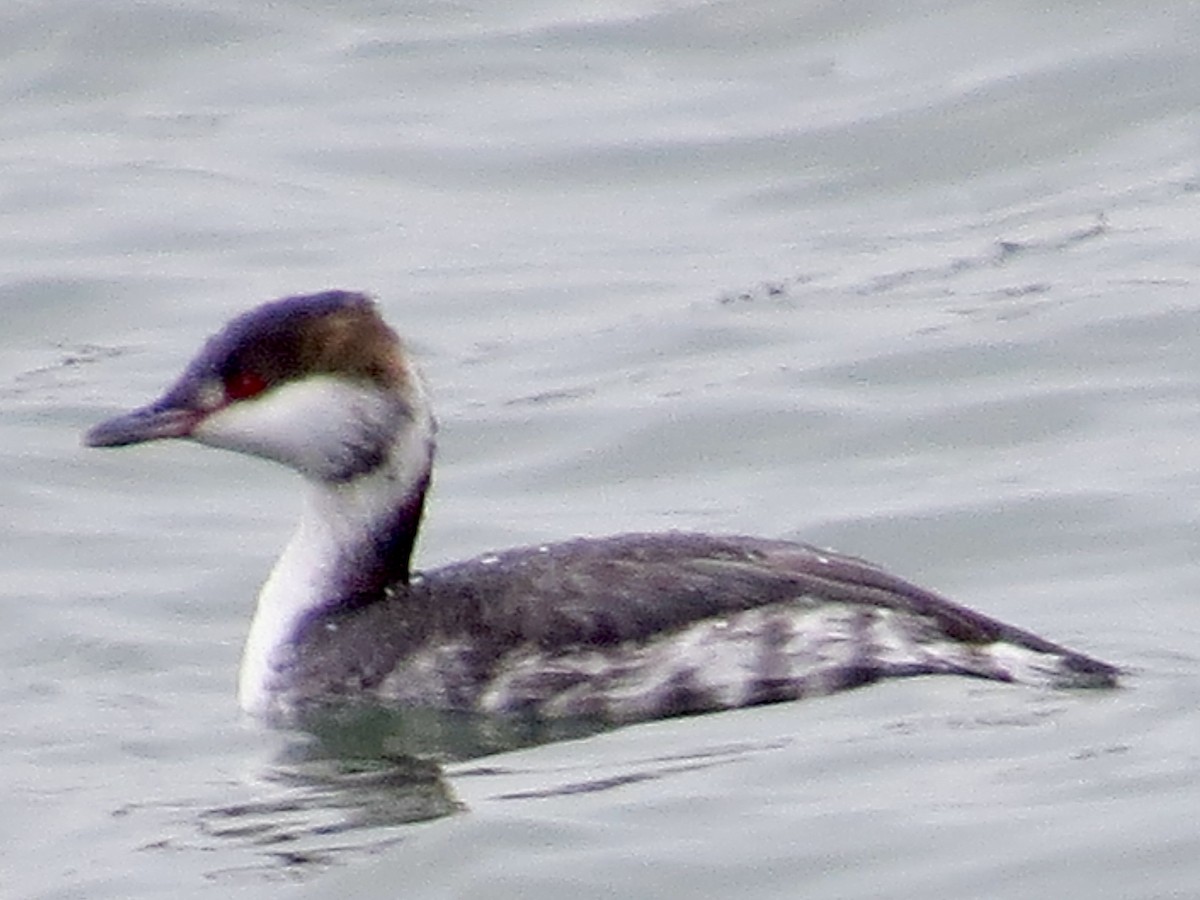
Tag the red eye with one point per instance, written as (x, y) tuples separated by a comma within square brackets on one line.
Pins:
[(242, 385)]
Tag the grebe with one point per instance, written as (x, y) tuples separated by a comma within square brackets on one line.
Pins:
[(624, 628)]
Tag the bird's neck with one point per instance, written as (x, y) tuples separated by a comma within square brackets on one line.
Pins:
[(354, 539)]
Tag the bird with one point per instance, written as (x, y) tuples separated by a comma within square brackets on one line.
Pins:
[(617, 629)]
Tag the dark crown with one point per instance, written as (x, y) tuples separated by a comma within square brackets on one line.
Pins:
[(335, 333)]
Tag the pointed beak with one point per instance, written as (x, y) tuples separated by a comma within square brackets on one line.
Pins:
[(150, 423)]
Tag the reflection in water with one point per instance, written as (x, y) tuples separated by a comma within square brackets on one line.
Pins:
[(590, 778), (351, 775), (364, 731), (300, 816), (325, 812)]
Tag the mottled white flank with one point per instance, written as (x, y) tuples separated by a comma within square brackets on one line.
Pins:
[(724, 662), (721, 658), (312, 426), (437, 675), (1028, 666)]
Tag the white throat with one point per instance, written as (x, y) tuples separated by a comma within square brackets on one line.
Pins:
[(335, 548)]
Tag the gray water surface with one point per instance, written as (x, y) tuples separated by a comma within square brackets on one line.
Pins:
[(916, 282)]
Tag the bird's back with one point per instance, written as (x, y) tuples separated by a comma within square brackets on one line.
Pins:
[(641, 626)]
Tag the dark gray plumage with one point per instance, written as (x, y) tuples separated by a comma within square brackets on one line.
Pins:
[(623, 628), (641, 626)]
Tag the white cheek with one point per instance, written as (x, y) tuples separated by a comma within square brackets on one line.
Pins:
[(310, 425)]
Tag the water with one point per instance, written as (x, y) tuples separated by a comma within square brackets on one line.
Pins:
[(915, 282)]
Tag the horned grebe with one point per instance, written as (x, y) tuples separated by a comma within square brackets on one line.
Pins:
[(636, 626)]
